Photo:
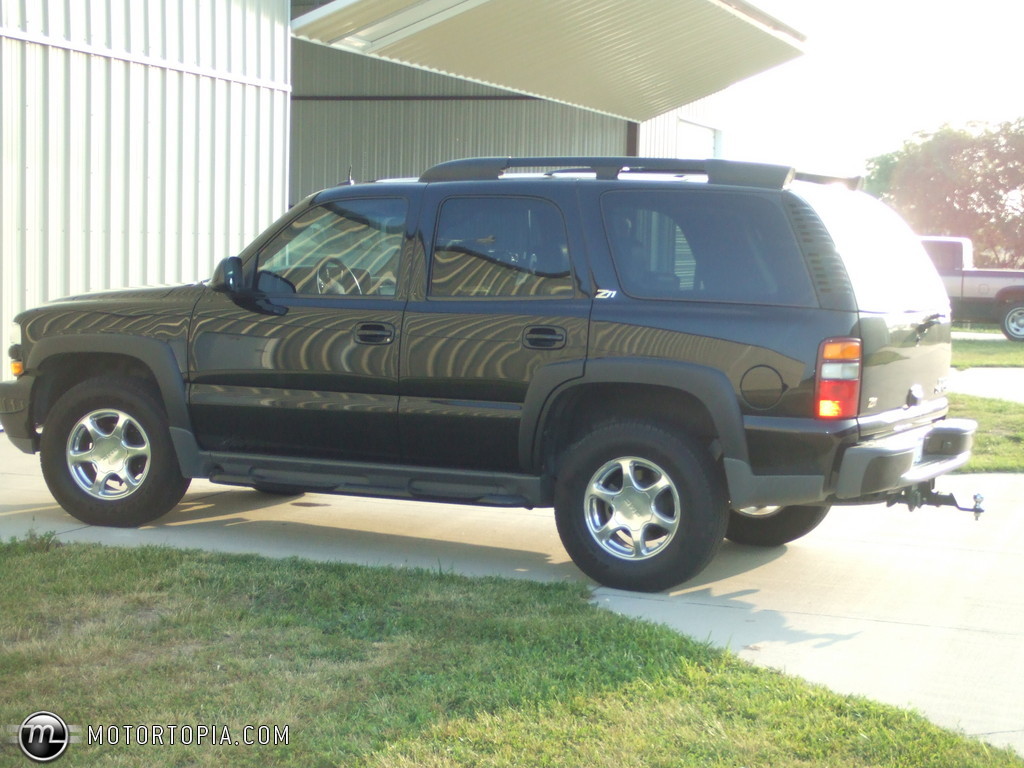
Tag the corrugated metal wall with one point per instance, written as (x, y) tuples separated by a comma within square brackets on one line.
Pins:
[(141, 140), (385, 120), (688, 132)]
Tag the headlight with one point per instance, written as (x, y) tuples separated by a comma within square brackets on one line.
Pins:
[(14, 351)]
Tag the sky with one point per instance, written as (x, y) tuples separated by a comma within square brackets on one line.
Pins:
[(876, 72)]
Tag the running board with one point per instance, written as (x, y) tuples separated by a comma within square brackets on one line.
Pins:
[(395, 481)]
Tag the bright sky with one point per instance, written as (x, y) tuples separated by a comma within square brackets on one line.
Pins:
[(874, 73)]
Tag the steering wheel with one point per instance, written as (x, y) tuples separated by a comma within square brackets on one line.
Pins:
[(333, 276)]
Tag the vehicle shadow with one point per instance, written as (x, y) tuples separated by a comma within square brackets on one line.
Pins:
[(717, 607), (465, 539)]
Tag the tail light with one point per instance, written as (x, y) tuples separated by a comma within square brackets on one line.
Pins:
[(837, 385)]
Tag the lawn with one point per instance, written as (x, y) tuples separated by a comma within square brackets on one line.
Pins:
[(998, 353), (378, 667), (999, 441)]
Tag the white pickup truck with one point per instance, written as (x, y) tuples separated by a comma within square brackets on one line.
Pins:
[(982, 295)]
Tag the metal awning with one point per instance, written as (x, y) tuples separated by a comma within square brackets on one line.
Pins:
[(634, 59)]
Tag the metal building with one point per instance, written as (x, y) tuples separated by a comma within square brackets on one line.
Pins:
[(143, 140), (140, 140), (418, 118), (438, 79)]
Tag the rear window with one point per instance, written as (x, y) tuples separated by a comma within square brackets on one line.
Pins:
[(705, 245), (888, 267)]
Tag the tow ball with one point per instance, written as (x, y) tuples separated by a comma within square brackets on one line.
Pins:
[(925, 495)]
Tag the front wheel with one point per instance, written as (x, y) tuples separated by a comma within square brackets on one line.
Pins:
[(1013, 323), (773, 526), (638, 507), (107, 456)]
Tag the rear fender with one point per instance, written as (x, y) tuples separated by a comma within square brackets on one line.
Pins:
[(711, 387)]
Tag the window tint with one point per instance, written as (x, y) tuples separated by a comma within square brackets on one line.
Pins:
[(887, 264), (500, 246), (348, 247), (705, 246)]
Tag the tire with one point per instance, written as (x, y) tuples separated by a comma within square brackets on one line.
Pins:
[(1013, 322), (107, 456), (773, 529), (638, 507)]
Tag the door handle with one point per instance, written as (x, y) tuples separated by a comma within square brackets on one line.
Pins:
[(544, 337), (375, 333)]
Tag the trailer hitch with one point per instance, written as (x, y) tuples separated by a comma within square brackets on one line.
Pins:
[(924, 495)]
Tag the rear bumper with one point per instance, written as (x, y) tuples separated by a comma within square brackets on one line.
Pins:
[(905, 459), (16, 414)]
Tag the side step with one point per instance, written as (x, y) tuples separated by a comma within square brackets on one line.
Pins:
[(494, 489)]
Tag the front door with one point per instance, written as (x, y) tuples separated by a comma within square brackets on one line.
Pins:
[(308, 364)]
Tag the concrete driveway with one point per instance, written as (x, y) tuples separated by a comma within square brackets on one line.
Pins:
[(923, 609)]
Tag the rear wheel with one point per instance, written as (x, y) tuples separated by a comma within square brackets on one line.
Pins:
[(1013, 323), (107, 456), (773, 526), (638, 507)]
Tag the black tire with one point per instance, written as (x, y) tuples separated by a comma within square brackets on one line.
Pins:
[(107, 456), (272, 489), (675, 500), (775, 529), (1012, 323)]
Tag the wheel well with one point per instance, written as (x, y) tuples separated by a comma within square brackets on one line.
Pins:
[(1009, 296), (60, 373), (583, 408)]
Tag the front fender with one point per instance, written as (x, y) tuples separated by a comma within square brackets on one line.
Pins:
[(157, 356)]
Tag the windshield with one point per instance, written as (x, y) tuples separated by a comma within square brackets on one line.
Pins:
[(885, 260)]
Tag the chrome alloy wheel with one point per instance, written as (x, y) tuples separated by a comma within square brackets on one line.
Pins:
[(759, 511), (108, 454), (632, 508)]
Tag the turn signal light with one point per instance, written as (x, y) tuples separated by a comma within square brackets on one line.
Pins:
[(837, 384), (17, 367)]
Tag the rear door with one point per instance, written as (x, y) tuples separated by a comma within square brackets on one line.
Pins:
[(496, 309)]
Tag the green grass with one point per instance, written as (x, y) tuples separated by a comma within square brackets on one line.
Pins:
[(972, 327), (378, 667), (998, 353), (999, 441)]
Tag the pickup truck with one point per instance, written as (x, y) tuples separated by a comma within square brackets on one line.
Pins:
[(983, 295)]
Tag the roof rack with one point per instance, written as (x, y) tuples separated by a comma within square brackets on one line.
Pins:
[(730, 172)]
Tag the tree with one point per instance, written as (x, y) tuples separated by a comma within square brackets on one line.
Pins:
[(963, 183)]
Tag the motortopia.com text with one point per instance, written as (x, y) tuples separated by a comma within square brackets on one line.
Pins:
[(188, 735)]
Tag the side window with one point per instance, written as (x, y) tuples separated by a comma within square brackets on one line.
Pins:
[(346, 248), (705, 246), (500, 247)]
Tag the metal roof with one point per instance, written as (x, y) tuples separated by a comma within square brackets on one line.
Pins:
[(634, 59)]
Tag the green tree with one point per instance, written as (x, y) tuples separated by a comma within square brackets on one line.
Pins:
[(961, 182)]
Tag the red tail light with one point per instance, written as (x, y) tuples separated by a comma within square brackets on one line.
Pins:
[(837, 386)]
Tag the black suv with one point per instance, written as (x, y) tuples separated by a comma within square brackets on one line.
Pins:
[(668, 352)]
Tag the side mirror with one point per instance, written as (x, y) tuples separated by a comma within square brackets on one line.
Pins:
[(227, 277)]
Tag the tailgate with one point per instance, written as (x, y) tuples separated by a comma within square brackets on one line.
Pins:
[(905, 368)]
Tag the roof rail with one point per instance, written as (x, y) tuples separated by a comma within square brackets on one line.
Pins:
[(730, 172)]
